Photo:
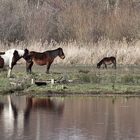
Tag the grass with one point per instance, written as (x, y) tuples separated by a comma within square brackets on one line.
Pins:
[(80, 67), (88, 54), (85, 80)]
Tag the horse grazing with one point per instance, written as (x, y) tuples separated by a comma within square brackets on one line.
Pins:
[(107, 61), (10, 58), (44, 58)]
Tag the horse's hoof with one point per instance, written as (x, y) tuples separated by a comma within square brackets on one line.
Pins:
[(28, 71)]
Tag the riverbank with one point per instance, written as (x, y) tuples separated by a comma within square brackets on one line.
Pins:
[(73, 80)]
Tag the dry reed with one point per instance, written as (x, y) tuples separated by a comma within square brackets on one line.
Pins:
[(90, 54)]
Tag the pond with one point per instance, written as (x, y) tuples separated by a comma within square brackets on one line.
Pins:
[(69, 118)]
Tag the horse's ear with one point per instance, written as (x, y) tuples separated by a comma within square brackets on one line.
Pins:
[(26, 51), (15, 53), (59, 48)]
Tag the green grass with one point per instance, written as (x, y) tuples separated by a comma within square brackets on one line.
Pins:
[(86, 80)]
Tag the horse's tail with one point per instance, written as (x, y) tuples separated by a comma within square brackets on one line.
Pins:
[(1, 53)]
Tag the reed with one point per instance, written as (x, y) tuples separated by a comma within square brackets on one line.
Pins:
[(79, 53)]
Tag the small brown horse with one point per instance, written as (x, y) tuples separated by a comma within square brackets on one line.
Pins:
[(44, 58), (107, 61)]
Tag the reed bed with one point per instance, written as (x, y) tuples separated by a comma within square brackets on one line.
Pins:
[(88, 54)]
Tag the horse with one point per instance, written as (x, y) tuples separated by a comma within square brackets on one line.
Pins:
[(10, 58), (2, 53), (107, 61), (44, 58)]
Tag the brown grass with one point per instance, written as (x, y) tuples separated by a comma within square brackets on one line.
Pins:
[(77, 53), (65, 20)]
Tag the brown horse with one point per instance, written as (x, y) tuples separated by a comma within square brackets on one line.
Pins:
[(44, 58), (107, 61)]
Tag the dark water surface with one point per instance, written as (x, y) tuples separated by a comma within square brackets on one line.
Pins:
[(70, 118)]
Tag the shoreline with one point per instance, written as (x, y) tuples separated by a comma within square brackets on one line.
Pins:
[(75, 94), (73, 81)]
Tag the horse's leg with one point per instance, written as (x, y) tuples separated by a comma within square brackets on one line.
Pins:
[(29, 67), (11, 65), (105, 65), (114, 64), (9, 72), (48, 67)]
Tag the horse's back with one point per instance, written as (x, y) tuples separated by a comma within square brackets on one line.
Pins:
[(46, 57), (10, 51), (113, 58), (39, 58), (108, 60), (37, 55)]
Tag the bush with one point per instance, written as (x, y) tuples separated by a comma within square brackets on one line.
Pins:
[(65, 20)]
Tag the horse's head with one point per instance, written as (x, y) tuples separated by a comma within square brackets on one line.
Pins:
[(98, 65), (61, 53), (27, 56)]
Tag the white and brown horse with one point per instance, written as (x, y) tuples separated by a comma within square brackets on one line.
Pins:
[(10, 58)]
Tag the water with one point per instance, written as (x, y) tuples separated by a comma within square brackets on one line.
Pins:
[(70, 118)]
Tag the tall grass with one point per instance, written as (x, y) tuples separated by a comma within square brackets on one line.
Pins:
[(86, 30), (77, 53)]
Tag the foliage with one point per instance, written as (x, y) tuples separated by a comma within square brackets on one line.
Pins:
[(66, 20)]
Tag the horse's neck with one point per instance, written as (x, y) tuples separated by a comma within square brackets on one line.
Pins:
[(54, 53), (21, 53), (18, 58), (101, 62)]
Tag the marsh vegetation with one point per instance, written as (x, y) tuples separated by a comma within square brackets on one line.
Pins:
[(69, 80), (87, 31)]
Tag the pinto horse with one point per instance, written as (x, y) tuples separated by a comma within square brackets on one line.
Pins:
[(44, 58), (10, 58), (107, 61)]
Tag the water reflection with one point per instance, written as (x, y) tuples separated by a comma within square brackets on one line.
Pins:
[(77, 118), (22, 116)]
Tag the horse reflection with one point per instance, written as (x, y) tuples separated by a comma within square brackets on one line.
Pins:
[(1, 107), (46, 104), (20, 113)]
